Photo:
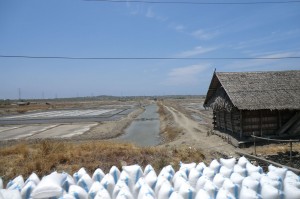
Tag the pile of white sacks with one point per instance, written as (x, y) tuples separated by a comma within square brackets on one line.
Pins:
[(226, 178)]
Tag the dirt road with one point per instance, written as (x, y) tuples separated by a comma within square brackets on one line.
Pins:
[(195, 135)]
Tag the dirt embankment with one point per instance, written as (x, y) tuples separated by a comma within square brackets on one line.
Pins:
[(110, 129)]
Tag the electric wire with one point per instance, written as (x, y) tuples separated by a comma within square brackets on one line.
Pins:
[(147, 58), (196, 2)]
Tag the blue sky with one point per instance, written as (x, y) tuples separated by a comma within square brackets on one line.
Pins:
[(100, 29)]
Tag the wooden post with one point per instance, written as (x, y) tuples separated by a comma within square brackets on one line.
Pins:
[(279, 118), (241, 124), (224, 116), (291, 150), (231, 122), (260, 118), (254, 144)]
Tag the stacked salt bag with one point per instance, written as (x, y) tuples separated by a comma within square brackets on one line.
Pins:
[(223, 178)]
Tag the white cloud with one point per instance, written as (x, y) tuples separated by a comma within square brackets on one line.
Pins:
[(151, 14), (198, 50), (185, 75), (266, 64), (204, 35), (177, 27)]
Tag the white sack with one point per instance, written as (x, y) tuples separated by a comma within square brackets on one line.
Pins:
[(270, 192), (237, 178), (134, 172), (79, 174), (78, 192), (165, 191), (9, 194), (215, 166), (85, 182), (98, 175), (225, 171), (251, 184), (27, 189), (202, 194), (247, 193), (240, 170), (34, 178), (115, 172), (50, 186), (229, 163), (243, 161), (218, 180), (151, 178), (201, 166), (102, 194), (194, 175), (187, 191), (96, 186), (108, 183)]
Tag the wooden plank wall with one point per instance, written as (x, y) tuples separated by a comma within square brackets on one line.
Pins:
[(259, 122)]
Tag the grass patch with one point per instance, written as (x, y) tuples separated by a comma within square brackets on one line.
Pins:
[(168, 130), (47, 156)]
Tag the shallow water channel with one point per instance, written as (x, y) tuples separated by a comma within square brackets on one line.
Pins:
[(144, 130)]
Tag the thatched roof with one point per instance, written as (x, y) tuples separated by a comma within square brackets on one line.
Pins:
[(258, 90)]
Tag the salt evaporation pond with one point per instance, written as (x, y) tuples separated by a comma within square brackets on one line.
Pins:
[(144, 130)]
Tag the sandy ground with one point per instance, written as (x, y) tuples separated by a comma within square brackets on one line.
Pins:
[(195, 135)]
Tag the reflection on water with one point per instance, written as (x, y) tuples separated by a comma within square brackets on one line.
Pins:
[(144, 131)]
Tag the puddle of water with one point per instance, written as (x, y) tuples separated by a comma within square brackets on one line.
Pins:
[(144, 131)]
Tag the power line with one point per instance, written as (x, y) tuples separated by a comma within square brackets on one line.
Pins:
[(147, 58), (197, 3)]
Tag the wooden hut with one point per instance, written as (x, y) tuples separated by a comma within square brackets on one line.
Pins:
[(261, 103)]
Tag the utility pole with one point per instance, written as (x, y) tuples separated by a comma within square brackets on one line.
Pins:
[(19, 93)]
